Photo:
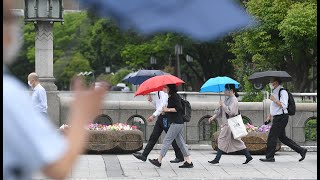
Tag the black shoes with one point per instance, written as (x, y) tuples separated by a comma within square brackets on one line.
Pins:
[(176, 160), (155, 162), (139, 156), (248, 160), (214, 162), (267, 160), (186, 165), (303, 154)]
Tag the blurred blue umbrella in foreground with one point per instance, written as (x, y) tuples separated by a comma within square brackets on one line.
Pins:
[(217, 84), (142, 75), (199, 19)]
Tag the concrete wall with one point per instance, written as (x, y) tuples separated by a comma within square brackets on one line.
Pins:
[(202, 106)]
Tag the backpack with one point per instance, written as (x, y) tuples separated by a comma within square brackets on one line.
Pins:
[(186, 113), (291, 104)]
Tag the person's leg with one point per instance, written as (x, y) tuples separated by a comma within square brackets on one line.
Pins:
[(289, 142), (171, 134), (247, 154), (273, 136), (217, 158), (183, 147), (177, 151), (168, 139), (156, 133), (180, 141)]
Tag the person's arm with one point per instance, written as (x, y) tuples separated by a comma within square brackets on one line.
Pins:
[(283, 102), (232, 109), (176, 105), (43, 98), (84, 108), (212, 118)]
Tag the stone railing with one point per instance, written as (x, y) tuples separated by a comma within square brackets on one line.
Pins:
[(198, 130)]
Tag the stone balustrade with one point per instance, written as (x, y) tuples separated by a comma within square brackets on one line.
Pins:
[(198, 130)]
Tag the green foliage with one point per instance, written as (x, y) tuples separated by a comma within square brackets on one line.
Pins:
[(251, 94), (284, 40), (311, 130), (116, 78), (160, 46), (300, 25), (64, 70)]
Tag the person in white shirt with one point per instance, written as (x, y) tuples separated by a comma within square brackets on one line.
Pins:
[(279, 114), (39, 95), (160, 100)]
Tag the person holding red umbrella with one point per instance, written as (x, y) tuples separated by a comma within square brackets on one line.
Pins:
[(174, 113), (162, 124)]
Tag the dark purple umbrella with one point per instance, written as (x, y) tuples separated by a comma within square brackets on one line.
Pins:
[(142, 75), (199, 19)]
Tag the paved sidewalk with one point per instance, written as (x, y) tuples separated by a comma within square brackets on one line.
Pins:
[(125, 166)]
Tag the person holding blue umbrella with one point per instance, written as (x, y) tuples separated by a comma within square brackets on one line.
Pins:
[(227, 109)]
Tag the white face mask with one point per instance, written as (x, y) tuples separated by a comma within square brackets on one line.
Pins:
[(271, 86), (11, 51), (29, 83)]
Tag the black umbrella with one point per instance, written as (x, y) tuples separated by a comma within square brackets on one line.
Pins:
[(142, 75), (265, 77)]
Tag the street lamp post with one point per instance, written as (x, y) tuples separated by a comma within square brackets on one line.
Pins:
[(43, 13), (153, 61), (178, 52)]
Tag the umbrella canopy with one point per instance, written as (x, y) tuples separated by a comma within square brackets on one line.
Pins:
[(127, 76), (157, 83), (217, 84), (265, 77), (200, 19), (142, 75)]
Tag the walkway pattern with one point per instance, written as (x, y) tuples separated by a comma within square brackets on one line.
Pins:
[(126, 166)]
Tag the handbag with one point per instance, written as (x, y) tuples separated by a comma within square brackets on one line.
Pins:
[(237, 127)]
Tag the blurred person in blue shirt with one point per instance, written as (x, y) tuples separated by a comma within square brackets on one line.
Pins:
[(31, 144), (39, 95)]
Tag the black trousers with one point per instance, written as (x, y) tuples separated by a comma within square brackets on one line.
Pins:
[(278, 131), (162, 124)]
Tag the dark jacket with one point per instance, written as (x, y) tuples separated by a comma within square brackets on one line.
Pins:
[(174, 101)]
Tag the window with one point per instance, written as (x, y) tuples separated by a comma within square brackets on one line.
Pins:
[(206, 129), (103, 119), (311, 129), (138, 121)]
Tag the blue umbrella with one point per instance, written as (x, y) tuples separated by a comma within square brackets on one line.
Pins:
[(217, 84), (200, 19), (142, 75)]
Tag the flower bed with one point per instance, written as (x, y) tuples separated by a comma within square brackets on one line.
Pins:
[(256, 140), (118, 138)]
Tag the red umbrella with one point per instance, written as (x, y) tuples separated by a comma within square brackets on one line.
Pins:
[(157, 83)]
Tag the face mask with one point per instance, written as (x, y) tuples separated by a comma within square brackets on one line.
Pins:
[(29, 83), (11, 51), (271, 86)]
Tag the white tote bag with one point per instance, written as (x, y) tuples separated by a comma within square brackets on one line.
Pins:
[(237, 127)]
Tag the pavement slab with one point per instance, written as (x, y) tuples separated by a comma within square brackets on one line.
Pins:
[(126, 166)]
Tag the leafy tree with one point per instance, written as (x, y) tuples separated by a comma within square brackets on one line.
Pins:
[(160, 46), (25, 62), (299, 30), (76, 65), (284, 40)]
